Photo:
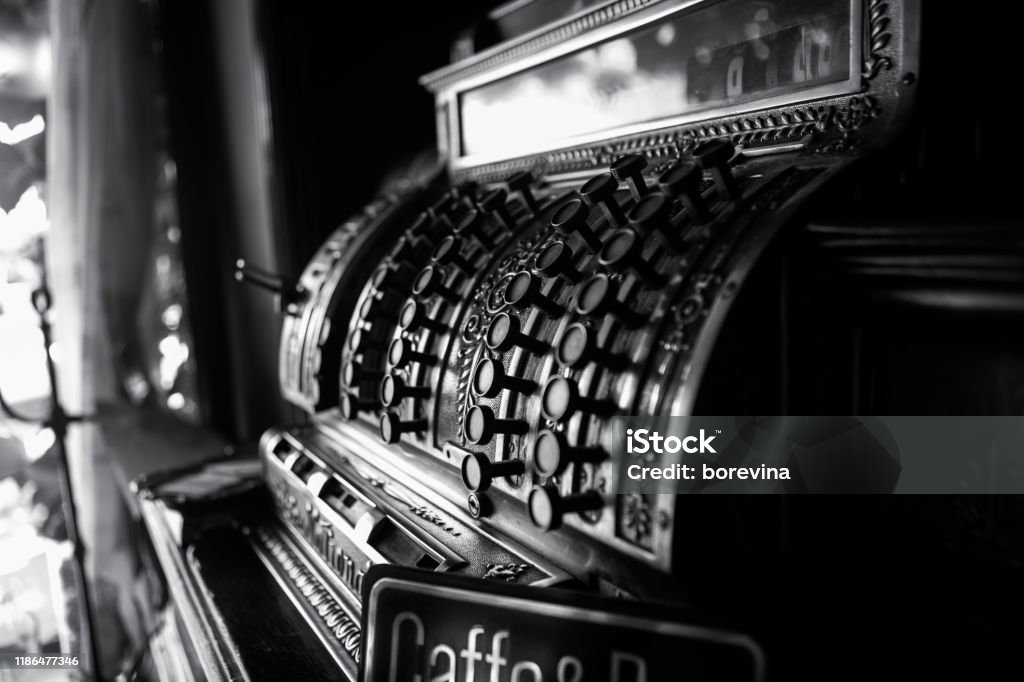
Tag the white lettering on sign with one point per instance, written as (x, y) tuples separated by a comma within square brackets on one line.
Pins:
[(473, 663)]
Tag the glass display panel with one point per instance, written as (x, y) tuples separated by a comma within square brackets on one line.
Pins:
[(717, 55)]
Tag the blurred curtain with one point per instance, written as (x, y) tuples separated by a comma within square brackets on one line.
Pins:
[(100, 185)]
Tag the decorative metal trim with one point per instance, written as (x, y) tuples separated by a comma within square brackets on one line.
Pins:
[(878, 39), (423, 511), (599, 16), (634, 518), (764, 128), (509, 572), (332, 614), (805, 124)]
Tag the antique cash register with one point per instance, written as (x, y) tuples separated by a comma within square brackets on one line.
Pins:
[(625, 216)]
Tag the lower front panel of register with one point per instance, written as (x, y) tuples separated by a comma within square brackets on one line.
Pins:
[(339, 514)]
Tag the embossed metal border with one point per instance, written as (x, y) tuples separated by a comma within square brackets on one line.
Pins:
[(336, 626), (534, 42)]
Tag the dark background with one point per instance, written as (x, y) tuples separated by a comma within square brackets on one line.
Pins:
[(345, 107)]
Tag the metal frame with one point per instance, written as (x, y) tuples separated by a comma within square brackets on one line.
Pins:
[(448, 96)]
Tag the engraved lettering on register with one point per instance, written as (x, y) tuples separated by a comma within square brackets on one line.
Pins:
[(509, 572), (421, 510), (433, 517), (471, 663), (320, 534)]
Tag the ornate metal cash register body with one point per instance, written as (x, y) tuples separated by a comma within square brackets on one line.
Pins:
[(607, 230)]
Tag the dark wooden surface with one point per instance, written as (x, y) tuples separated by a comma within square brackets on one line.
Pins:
[(267, 631), (232, 614)]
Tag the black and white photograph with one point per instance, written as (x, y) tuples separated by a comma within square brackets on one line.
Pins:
[(415, 341)]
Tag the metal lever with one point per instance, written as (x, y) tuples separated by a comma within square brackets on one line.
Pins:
[(290, 294)]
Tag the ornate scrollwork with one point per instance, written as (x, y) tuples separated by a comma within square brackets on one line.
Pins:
[(332, 614), (509, 572), (858, 112), (878, 38), (635, 519), (763, 128)]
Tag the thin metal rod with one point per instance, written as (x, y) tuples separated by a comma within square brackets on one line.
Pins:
[(261, 278), (58, 422)]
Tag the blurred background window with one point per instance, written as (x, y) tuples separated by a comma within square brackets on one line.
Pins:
[(33, 548)]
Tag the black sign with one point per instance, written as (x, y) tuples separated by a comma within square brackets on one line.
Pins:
[(421, 627)]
